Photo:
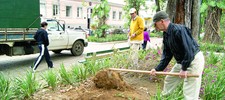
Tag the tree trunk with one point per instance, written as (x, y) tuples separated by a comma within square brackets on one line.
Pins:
[(188, 12), (212, 25), (171, 9), (185, 12), (103, 23), (158, 5), (195, 25), (180, 15)]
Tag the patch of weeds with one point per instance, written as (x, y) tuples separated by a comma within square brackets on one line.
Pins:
[(6, 92), (51, 78), (176, 95), (119, 95), (213, 59), (66, 77), (25, 87), (80, 73)]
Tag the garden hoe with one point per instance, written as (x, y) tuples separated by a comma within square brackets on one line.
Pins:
[(148, 72)]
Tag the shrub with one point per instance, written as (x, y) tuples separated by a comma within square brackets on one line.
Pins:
[(118, 31)]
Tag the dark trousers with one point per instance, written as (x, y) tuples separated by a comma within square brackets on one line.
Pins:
[(43, 53), (144, 45)]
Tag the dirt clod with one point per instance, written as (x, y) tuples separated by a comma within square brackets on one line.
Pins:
[(110, 80)]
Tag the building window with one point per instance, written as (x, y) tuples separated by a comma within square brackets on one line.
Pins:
[(79, 12), (114, 14), (120, 15), (68, 11), (55, 10)]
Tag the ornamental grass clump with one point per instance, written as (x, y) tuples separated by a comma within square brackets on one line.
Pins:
[(66, 77), (213, 82), (6, 92), (51, 78), (25, 87), (80, 73), (212, 58)]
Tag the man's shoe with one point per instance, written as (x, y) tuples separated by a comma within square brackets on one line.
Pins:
[(34, 71)]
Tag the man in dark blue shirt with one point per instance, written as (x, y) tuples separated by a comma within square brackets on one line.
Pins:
[(179, 43), (41, 37)]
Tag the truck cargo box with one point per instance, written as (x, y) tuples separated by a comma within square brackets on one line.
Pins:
[(19, 13), (19, 19)]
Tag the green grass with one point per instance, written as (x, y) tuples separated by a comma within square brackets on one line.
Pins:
[(108, 38), (80, 73), (211, 47), (22, 88), (51, 78), (66, 77), (6, 92), (25, 87)]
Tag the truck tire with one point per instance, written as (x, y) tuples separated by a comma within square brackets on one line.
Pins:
[(77, 48), (57, 51)]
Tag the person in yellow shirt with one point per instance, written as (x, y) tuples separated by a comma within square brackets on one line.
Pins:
[(135, 35)]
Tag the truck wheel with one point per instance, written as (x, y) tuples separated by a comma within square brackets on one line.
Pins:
[(77, 48), (57, 51)]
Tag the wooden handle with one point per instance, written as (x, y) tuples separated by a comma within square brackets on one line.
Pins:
[(148, 72)]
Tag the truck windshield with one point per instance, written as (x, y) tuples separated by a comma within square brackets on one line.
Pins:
[(54, 26)]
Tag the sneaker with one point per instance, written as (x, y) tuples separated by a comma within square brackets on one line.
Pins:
[(34, 71)]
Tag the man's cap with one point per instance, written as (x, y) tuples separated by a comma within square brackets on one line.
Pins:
[(132, 10), (160, 15)]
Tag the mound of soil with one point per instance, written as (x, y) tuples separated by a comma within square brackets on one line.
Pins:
[(110, 80), (105, 85)]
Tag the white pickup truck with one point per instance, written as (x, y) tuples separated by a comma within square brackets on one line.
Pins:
[(19, 41)]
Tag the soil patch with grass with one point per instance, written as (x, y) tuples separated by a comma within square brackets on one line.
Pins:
[(105, 85)]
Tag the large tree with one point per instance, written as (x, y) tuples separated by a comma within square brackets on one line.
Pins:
[(185, 12), (212, 21)]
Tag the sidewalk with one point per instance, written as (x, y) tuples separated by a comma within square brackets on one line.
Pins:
[(95, 46)]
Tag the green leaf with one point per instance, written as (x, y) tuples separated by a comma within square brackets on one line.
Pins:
[(221, 4), (203, 8), (212, 3)]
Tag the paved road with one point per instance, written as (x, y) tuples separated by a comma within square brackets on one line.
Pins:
[(18, 65)]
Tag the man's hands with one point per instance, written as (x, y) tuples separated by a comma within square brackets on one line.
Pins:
[(133, 35), (183, 74), (153, 72)]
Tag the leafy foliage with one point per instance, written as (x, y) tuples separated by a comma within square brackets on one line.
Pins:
[(132, 4), (108, 38), (100, 14)]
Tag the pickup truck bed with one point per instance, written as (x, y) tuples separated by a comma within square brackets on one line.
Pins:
[(8, 35)]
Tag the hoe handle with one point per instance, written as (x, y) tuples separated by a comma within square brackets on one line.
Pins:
[(148, 72)]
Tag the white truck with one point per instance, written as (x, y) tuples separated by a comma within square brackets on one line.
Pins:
[(20, 41), (19, 22)]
